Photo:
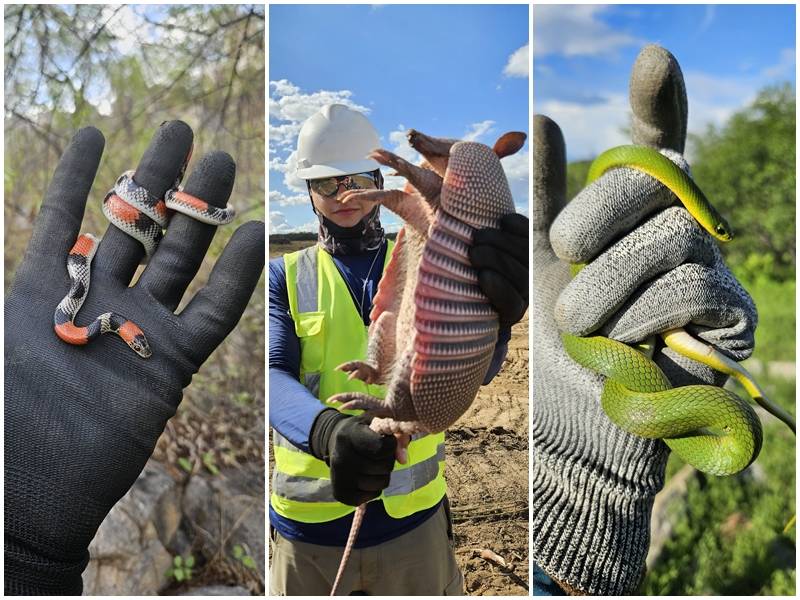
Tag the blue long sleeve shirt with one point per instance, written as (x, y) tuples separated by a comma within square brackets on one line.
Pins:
[(293, 409)]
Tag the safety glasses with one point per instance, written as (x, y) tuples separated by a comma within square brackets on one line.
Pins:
[(330, 185)]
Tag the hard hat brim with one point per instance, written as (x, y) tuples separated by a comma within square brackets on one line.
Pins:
[(337, 169)]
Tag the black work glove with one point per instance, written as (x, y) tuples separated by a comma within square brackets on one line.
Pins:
[(81, 421), (361, 460), (501, 258)]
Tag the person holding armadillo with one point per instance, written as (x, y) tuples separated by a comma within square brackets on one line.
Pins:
[(327, 461)]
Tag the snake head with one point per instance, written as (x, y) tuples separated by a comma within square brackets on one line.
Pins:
[(722, 231), (140, 346), (135, 338)]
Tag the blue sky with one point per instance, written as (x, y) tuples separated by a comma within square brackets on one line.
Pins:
[(447, 70), (582, 58)]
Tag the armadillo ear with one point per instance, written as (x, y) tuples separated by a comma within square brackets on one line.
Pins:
[(509, 143)]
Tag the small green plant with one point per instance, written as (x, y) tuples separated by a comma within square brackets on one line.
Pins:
[(243, 398), (244, 558), (181, 569), (208, 463), (185, 464)]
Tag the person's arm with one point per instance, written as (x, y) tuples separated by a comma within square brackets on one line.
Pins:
[(292, 408)]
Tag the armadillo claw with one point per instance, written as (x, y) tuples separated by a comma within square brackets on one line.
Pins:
[(369, 195), (361, 401), (389, 159), (388, 426), (358, 369)]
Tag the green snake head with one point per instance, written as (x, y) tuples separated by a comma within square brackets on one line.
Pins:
[(722, 231)]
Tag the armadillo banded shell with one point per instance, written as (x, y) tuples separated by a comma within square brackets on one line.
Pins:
[(456, 329), (450, 330), (436, 262), (439, 286), (475, 189)]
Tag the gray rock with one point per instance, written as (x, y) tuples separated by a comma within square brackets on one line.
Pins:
[(217, 590), (127, 554), (229, 508)]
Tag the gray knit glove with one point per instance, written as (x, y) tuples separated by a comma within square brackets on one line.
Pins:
[(652, 268)]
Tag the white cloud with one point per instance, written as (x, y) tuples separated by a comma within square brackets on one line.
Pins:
[(280, 199), (517, 166), (400, 145), (476, 130), (784, 68), (573, 30), (518, 63), (279, 224), (589, 129)]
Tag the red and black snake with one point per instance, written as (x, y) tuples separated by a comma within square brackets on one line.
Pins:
[(137, 212)]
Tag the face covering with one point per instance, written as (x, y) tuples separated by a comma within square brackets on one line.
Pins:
[(366, 235)]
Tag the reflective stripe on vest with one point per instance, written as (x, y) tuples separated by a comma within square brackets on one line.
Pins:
[(325, 314)]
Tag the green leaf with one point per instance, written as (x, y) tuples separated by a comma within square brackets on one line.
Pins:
[(177, 561), (208, 462), (179, 575), (185, 464), (190, 561), (238, 551), (248, 562)]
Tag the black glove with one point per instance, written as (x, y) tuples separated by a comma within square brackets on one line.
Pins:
[(81, 421), (361, 460), (501, 258)]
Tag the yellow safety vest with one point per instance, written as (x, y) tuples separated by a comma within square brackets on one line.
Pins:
[(331, 331)]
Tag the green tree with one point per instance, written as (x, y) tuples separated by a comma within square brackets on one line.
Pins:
[(747, 169)]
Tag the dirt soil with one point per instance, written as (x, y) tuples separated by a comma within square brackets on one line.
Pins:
[(487, 475), (487, 478)]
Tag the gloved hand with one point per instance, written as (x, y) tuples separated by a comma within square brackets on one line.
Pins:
[(81, 421), (653, 268), (361, 460), (501, 258)]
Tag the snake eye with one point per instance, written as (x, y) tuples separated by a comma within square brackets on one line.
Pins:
[(722, 231)]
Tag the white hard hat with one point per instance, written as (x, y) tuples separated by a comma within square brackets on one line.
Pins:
[(335, 141)]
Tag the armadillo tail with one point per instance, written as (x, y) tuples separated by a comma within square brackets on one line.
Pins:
[(358, 516)]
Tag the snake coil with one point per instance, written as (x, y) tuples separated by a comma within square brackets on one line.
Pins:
[(134, 210), (711, 428)]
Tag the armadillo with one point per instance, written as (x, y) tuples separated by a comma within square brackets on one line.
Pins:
[(433, 331)]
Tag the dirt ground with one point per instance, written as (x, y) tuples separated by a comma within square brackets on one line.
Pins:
[(487, 475)]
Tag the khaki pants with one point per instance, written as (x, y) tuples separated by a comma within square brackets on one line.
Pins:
[(420, 562)]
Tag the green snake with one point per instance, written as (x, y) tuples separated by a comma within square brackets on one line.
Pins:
[(709, 427)]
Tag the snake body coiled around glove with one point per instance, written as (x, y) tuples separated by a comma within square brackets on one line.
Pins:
[(709, 427), (143, 216)]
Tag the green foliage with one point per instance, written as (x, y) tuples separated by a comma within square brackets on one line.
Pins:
[(185, 464), (775, 301), (747, 169), (209, 462), (181, 569), (241, 555), (576, 177), (730, 540)]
